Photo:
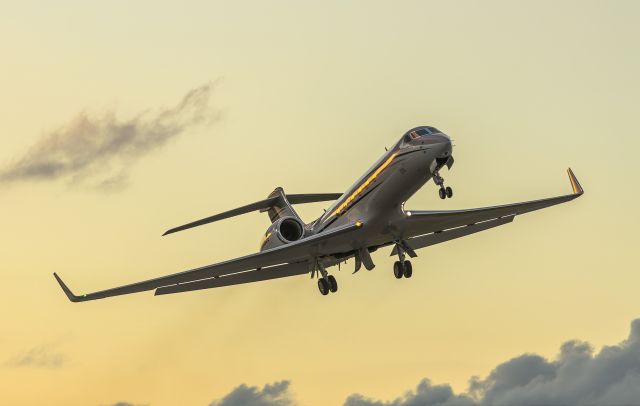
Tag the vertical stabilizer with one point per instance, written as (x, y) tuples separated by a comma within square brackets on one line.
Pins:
[(281, 207)]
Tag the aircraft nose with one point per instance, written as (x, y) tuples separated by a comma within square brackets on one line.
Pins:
[(443, 138), (444, 144)]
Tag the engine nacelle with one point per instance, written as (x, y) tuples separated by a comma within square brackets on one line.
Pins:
[(282, 231)]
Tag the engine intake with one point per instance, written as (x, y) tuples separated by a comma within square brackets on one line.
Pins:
[(290, 229), (283, 231)]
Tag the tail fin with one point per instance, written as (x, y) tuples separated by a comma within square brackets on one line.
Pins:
[(281, 207)]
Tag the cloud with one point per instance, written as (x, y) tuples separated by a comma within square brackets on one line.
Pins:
[(100, 151), (575, 377), (276, 394), (37, 357), (123, 404), (425, 394)]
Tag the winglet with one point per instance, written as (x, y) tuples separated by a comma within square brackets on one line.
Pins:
[(577, 189), (66, 290)]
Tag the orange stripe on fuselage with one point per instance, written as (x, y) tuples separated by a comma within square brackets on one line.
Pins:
[(364, 185)]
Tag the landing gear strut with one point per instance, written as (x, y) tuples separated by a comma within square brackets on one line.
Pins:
[(327, 283), (443, 192)]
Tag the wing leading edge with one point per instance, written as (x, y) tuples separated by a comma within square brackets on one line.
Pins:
[(420, 223), (295, 252)]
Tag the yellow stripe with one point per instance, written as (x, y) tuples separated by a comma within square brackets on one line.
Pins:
[(362, 187)]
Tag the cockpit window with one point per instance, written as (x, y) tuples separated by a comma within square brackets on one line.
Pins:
[(413, 135), (420, 132)]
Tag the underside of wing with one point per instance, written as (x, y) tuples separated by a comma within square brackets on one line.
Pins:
[(262, 274), (295, 252), (420, 223), (426, 240)]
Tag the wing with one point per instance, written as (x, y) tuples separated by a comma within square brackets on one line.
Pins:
[(263, 274), (296, 252), (420, 223)]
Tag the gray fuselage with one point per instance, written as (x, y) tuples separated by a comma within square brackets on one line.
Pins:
[(377, 198)]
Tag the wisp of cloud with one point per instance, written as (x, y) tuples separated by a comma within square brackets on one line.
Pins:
[(99, 151), (37, 357)]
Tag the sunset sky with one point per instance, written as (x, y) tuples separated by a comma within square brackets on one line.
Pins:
[(228, 100)]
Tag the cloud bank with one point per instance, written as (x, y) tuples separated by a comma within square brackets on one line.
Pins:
[(577, 376), (99, 151)]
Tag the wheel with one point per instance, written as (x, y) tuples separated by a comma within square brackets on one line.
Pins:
[(397, 269), (443, 193), (408, 269), (323, 286), (333, 284), (449, 192)]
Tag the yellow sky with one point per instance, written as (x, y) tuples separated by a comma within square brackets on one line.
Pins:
[(310, 94)]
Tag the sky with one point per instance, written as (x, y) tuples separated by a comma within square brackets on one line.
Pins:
[(119, 120)]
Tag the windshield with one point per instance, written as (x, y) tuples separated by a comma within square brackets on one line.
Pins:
[(420, 132)]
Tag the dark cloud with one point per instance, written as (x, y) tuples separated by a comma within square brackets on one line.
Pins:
[(575, 377), (425, 394), (37, 357), (99, 151), (276, 394)]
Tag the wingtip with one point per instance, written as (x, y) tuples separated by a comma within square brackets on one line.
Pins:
[(66, 289), (575, 185)]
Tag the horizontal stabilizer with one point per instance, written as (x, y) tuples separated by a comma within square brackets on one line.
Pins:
[(262, 205), (313, 197)]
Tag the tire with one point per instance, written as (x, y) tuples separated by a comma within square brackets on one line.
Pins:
[(333, 284), (442, 193), (323, 286), (397, 269), (408, 269), (449, 192)]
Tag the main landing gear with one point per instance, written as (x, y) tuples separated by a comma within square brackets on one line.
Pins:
[(443, 192), (327, 283), (403, 266), (401, 269)]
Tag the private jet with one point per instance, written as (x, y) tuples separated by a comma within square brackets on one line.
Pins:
[(370, 215)]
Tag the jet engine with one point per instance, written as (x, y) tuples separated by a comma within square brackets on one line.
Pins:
[(282, 231)]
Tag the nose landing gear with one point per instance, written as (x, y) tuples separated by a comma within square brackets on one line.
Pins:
[(443, 192)]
